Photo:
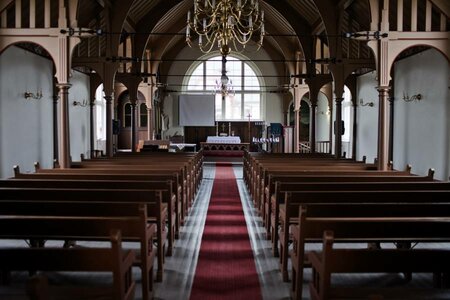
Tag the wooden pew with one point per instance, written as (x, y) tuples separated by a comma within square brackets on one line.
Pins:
[(258, 162), (92, 221), (252, 158), (332, 261), (368, 222), (356, 184), (259, 178), (266, 185), (293, 199), (282, 188), (156, 211), (183, 177), (275, 180), (196, 159), (191, 165), (113, 260), (168, 197), (105, 174), (182, 167)]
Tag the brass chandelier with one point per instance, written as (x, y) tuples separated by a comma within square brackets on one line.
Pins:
[(225, 23), (224, 85)]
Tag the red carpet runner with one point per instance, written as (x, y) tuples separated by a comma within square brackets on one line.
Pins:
[(226, 267)]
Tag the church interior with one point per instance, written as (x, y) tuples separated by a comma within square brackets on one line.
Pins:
[(224, 149)]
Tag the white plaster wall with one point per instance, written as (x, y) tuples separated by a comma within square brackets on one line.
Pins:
[(272, 111), (79, 116), (367, 117), (322, 119), (26, 133), (422, 129)]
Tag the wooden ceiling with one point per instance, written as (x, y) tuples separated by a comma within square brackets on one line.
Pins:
[(283, 18)]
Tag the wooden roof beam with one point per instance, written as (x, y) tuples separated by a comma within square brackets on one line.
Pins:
[(4, 4), (129, 25), (443, 5)]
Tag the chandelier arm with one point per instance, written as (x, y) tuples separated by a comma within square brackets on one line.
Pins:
[(209, 47), (244, 32), (236, 48), (240, 40)]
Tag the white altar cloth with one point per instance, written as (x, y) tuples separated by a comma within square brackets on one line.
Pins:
[(224, 139)]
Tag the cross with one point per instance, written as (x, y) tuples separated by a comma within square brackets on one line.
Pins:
[(223, 127)]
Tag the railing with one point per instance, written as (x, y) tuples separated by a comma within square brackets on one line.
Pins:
[(323, 147), (305, 147)]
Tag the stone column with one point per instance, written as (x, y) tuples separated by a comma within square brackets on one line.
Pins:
[(297, 130), (149, 123), (133, 126), (391, 128), (312, 127), (383, 130), (338, 128), (109, 131), (64, 129), (55, 126), (355, 128), (91, 125)]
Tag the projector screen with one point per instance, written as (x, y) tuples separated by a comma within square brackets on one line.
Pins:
[(197, 110)]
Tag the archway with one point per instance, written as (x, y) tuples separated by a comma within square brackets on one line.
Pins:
[(421, 130), (323, 120), (304, 121), (26, 108)]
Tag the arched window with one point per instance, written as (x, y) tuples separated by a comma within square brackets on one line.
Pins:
[(346, 114), (100, 115), (143, 115), (247, 99), (127, 114), (347, 117)]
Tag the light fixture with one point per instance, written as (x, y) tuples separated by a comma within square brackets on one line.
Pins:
[(224, 86), (82, 104), (226, 23), (28, 95), (415, 97), (361, 103)]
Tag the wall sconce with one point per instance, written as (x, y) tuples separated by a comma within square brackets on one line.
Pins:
[(29, 95), (82, 104), (415, 97), (361, 103)]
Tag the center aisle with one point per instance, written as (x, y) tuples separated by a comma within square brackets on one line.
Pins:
[(226, 266)]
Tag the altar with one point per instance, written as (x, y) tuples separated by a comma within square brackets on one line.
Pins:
[(226, 146)]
